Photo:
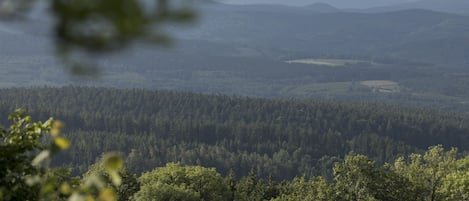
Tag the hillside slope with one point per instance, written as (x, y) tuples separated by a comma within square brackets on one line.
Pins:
[(279, 137)]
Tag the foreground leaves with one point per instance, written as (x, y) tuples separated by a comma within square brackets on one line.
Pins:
[(24, 165)]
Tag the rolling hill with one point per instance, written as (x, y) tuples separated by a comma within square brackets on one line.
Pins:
[(240, 49)]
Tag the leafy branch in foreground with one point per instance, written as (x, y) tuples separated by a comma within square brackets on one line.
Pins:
[(18, 144), (25, 173)]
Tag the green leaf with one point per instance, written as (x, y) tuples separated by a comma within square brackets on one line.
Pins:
[(115, 178), (40, 157), (113, 162), (62, 143), (107, 195)]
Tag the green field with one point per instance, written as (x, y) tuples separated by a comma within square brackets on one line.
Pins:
[(328, 62), (383, 86)]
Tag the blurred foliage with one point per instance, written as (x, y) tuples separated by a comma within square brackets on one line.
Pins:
[(24, 165), (92, 27), (104, 170), (17, 145)]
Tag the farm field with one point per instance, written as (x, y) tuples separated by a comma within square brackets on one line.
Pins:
[(328, 62), (383, 86)]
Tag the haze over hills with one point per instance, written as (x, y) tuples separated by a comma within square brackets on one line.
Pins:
[(335, 3), (340, 33), (240, 49), (318, 28), (322, 8), (449, 6)]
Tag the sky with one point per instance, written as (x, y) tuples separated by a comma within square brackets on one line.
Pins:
[(335, 3)]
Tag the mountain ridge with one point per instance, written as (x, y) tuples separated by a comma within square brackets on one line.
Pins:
[(460, 7), (322, 8)]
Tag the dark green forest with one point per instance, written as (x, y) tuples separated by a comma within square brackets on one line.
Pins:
[(28, 147), (277, 138)]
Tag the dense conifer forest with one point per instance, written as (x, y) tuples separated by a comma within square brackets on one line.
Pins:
[(280, 138), (28, 147)]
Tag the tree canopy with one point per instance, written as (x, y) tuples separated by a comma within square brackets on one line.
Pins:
[(176, 182), (436, 175)]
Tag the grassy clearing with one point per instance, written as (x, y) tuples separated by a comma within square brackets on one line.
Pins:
[(328, 62), (384, 86)]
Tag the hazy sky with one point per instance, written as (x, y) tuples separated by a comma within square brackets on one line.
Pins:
[(336, 3)]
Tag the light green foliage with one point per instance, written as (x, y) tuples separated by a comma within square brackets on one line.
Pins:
[(17, 146), (167, 192), (101, 182), (435, 174), (456, 183), (175, 182), (355, 178), (358, 178), (230, 180), (24, 165), (316, 189), (128, 185), (249, 188), (272, 189)]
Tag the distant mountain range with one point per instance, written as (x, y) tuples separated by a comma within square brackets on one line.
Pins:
[(323, 8), (322, 29), (244, 49), (450, 6), (309, 30), (357, 4)]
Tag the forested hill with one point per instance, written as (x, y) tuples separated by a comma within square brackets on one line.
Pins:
[(283, 138)]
